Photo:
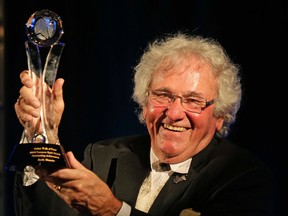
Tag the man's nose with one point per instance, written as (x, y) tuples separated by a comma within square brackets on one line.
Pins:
[(175, 110)]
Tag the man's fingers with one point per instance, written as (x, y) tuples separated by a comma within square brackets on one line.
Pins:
[(58, 89), (26, 79), (74, 163)]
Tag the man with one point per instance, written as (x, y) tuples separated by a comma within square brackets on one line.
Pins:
[(189, 92)]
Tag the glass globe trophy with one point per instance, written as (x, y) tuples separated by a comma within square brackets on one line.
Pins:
[(39, 145)]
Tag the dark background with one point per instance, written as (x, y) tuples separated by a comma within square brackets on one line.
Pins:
[(104, 40)]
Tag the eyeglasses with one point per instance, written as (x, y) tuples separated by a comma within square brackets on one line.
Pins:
[(190, 103)]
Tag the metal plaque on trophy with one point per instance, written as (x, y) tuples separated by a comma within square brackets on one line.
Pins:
[(40, 146)]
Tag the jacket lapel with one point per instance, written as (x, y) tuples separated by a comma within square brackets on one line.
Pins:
[(172, 192), (132, 169)]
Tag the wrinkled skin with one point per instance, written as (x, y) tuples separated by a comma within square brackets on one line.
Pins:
[(187, 133)]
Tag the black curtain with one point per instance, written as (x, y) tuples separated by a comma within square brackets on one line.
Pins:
[(103, 42)]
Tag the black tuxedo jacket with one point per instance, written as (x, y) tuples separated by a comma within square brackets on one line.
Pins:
[(223, 180)]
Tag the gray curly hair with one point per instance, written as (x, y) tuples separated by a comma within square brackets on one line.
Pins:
[(179, 46)]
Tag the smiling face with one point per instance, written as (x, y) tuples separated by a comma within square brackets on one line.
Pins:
[(177, 134)]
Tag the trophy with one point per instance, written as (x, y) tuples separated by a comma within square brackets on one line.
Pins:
[(39, 145)]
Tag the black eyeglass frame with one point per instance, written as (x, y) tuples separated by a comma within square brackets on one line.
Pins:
[(172, 97)]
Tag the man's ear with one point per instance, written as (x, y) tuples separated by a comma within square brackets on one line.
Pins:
[(219, 123)]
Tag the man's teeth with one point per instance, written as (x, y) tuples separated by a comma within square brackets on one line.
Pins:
[(170, 127)]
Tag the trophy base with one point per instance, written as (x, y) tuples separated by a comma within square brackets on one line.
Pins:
[(37, 154)]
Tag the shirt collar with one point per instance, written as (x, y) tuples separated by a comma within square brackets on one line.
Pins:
[(182, 167)]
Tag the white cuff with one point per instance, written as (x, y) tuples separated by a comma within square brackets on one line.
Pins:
[(125, 210)]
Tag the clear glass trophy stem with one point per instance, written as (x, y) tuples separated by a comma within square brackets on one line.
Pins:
[(43, 79)]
